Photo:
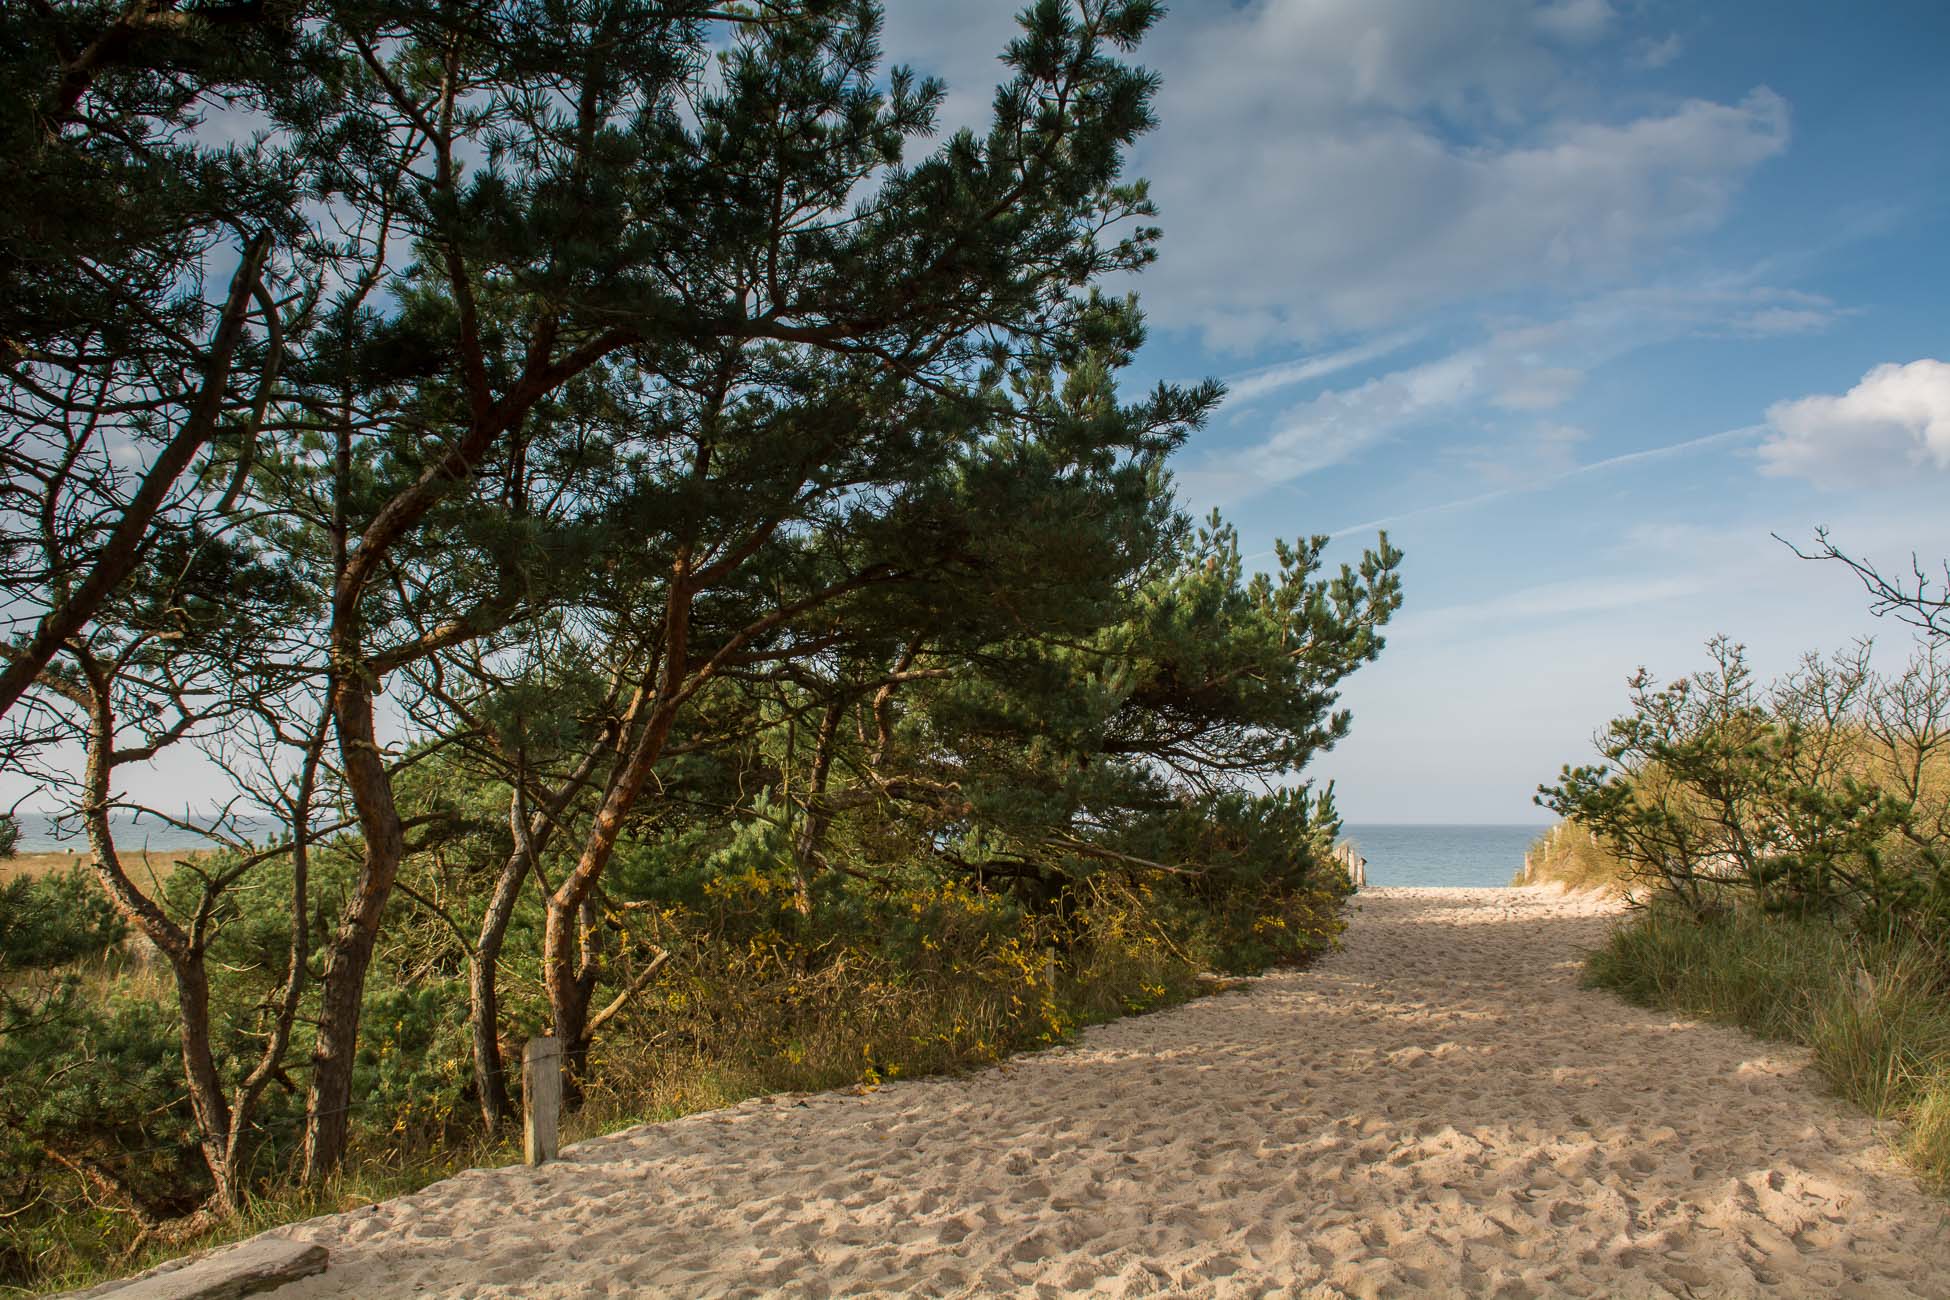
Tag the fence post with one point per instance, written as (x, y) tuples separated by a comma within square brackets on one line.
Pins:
[(541, 1099)]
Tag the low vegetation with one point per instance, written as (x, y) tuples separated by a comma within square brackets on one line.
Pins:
[(1874, 1007), (1569, 855), (752, 1000)]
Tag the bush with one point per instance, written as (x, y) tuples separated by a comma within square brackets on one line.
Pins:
[(1824, 793), (54, 919), (909, 972)]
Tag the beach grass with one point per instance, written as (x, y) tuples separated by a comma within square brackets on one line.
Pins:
[(1569, 855), (143, 864), (1872, 1008)]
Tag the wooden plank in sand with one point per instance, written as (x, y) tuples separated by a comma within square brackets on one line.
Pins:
[(250, 1269)]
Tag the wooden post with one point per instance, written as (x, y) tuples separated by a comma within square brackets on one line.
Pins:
[(1357, 866), (541, 1099)]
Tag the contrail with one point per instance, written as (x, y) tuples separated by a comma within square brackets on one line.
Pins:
[(1610, 462), (1267, 379)]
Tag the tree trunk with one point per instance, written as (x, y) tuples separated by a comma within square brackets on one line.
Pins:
[(483, 997), (185, 955), (270, 1061), (531, 834), (206, 1087), (812, 830), (572, 983), (342, 990)]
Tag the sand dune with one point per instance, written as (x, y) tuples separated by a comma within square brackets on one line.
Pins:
[(1437, 1109)]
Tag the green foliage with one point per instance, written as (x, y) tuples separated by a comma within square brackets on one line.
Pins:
[(1822, 794), (879, 983), (413, 1079), (686, 416), (1793, 841), (53, 919), (94, 1131), (106, 172)]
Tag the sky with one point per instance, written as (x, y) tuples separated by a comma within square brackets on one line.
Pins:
[(1583, 300)]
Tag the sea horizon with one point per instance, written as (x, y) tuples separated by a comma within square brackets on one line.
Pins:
[(1451, 854)]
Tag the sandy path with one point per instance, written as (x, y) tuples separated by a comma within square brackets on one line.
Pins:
[(1437, 1109)]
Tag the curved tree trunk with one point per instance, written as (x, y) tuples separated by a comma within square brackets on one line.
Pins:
[(531, 834), (181, 948), (483, 996)]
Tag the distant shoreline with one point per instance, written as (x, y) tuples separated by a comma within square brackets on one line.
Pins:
[(38, 833)]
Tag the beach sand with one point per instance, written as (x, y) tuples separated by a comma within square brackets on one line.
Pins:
[(1437, 1109)]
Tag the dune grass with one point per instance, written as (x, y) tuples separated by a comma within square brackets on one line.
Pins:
[(144, 864), (1873, 1008), (1569, 855)]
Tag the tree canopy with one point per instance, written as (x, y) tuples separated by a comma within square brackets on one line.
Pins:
[(558, 460)]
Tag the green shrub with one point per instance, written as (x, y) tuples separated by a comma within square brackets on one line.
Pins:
[(53, 919), (86, 1150), (908, 975), (1825, 792)]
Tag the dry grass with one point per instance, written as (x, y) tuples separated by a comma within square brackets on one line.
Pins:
[(1872, 1009), (142, 864), (1567, 854)]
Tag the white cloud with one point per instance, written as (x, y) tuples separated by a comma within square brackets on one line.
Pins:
[(1522, 367), (959, 42), (1657, 54), (1331, 428), (1540, 389), (1547, 451), (1784, 320), (1327, 167), (1255, 384), (1892, 423), (1575, 22), (1546, 475), (1563, 600)]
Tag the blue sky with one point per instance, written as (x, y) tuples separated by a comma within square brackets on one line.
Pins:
[(1585, 299)]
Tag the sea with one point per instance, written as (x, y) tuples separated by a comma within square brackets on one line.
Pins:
[(1473, 856), (43, 833)]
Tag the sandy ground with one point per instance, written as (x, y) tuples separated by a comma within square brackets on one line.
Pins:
[(1435, 1110)]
